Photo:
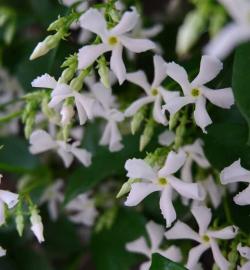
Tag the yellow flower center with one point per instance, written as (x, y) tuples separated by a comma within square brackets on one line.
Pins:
[(195, 92), (112, 40), (206, 238), (154, 92), (162, 181)]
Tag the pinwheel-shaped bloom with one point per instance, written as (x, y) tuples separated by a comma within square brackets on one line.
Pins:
[(53, 196), (235, 32), (163, 180), (106, 108), (41, 141), (155, 92), (82, 210), (206, 238), (61, 91), (6, 198), (245, 253), (112, 40), (156, 235), (196, 93), (236, 173)]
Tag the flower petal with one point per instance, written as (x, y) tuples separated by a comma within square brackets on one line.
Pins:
[(244, 251), (136, 105), (201, 116), (228, 232), (176, 103), (179, 74), (234, 173), (158, 114), (223, 98), (117, 64), (155, 233), (94, 21), (82, 155), (218, 257), (173, 163), (139, 78), (81, 112), (160, 71), (209, 68), (145, 265), (137, 45), (213, 191), (44, 81), (10, 198), (195, 254), (168, 95), (88, 54), (181, 230), (166, 138), (186, 171), (138, 192), (66, 157), (139, 246), (86, 102), (243, 197), (172, 253), (127, 23), (203, 217), (2, 252)]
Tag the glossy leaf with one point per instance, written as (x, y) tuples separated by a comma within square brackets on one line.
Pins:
[(161, 263)]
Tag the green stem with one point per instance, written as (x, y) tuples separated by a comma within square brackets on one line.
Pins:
[(227, 210), (9, 117)]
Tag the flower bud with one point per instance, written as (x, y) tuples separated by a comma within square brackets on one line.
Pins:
[(137, 120), (37, 225), (126, 187), (103, 72), (19, 223), (57, 24), (147, 134), (67, 112)]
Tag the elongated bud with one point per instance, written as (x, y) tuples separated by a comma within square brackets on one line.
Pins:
[(103, 71), (147, 134), (37, 225), (57, 24), (20, 223), (173, 120), (29, 124), (67, 113), (126, 187), (137, 120), (67, 75), (77, 83)]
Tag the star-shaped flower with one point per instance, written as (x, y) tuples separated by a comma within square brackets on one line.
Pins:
[(245, 253), (156, 235), (206, 237), (197, 93), (113, 40), (163, 180)]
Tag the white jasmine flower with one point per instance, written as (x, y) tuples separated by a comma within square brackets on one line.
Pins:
[(155, 92), (235, 32), (196, 93), (245, 253), (163, 180), (236, 173), (206, 238), (61, 91), (41, 141), (112, 40), (54, 197), (2, 252), (166, 138), (82, 210), (37, 225), (156, 234), (106, 109), (6, 198)]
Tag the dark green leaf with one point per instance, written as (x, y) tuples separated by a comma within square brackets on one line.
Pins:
[(161, 263)]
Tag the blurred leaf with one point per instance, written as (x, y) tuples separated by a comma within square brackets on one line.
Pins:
[(241, 82), (161, 263), (108, 246)]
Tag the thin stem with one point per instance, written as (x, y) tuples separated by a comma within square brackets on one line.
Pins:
[(9, 117)]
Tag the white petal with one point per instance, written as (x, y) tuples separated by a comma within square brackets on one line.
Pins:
[(195, 254), (139, 246), (168, 95), (179, 74), (87, 104), (227, 39), (94, 21), (127, 23), (66, 157), (186, 171), (160, 71), (115, 138), (201, 116), (138, 168), (158, 114), (203, 216), (189, 190), (137, 45), (88, 54), (176, 103), (152, 31), (166, 138), (145, 266), (223, 98), (106, 135), (213, 191), (117, 64), (138, 192), (44, 81), (173, 163), (155, 233), (41, 141), (228, 232), (82, 155), (2, 252), (181, 230), (244, 251), (166, 206), (246, 266), (10, 198), (136, 105), (140, 79), (243, 197), (209, 68), (102, 94), (234, 173), (172, 253), (218, 257)]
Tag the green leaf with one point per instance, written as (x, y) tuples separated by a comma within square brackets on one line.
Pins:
[(241, 82), (161, 263), (108, 246)]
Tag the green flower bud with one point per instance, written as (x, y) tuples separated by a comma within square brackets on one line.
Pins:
[(126, 187), (137, 120), (103, 71), (57, 24), (19, 223), (147, 134)]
